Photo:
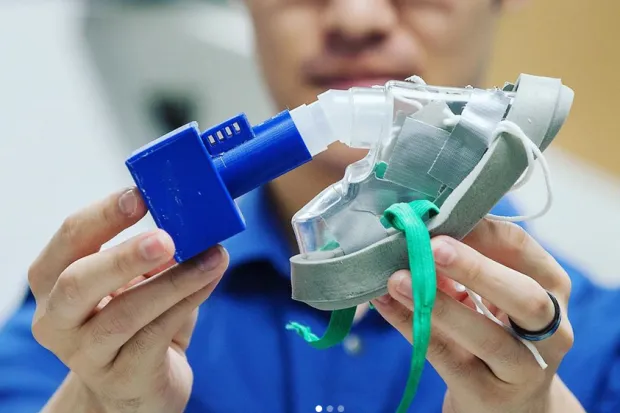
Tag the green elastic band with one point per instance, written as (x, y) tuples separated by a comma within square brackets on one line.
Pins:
[(410, 218), (340, 322), (339, 326)]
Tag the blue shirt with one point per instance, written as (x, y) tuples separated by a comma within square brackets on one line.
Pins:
[(245, 361)]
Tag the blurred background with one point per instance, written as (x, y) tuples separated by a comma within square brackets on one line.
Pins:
[(83, 84)]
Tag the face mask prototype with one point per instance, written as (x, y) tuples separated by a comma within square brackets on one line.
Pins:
[(459, 148)]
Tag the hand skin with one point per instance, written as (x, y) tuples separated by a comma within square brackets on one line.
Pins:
[(120, 319), (485, 368)]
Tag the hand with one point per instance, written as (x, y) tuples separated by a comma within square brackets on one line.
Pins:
[(485, 368), (121, 318)]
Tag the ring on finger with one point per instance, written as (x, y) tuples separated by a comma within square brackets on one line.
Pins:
[(545, 332)]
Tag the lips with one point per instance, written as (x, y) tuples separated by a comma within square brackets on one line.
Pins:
[(346, 75), (333, 71)]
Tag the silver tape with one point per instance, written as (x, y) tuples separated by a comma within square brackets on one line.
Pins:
[(470, 138), (417, 147)]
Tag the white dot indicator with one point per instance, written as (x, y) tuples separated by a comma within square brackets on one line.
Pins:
[(341, 408), (318, 408), (330, 409)]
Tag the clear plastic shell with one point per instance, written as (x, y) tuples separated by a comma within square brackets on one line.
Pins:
[(348, 214)]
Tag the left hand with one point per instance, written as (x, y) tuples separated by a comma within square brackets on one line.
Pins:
[(485, 368)]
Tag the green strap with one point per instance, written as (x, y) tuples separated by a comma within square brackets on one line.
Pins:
[(409, 218), (339, 326), (340, 322)]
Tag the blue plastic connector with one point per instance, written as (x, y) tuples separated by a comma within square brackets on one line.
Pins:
[(189, 180)]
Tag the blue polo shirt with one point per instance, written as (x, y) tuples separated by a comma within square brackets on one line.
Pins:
[(245, 361)]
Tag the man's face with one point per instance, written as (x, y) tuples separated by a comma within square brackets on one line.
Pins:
[(308, 46)]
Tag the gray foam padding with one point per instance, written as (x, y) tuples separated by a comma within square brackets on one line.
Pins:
[(333, 280)]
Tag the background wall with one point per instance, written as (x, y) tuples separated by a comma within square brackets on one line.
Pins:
[(578, 41), (63, 142)]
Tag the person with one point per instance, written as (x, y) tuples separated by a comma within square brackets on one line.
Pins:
[(118, 330)]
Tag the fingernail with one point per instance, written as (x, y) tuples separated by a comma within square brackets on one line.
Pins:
[(443, 253), (128, 202), (403, 284), (152, 248), (211, 259)]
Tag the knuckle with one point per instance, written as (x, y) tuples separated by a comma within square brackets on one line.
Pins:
[(537, 305), (121, 264), (39, 332), (150, 334), (472, 269), (33, 275), (67, 287), (55, 341), (565, 285), (567, 339), (561, 282), (108, 216), (99, 334), (138, 346), (122, 320), (69, 230), (518, 238), (155, 329)]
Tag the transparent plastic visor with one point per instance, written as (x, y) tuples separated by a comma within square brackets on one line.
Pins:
[(422, 141)]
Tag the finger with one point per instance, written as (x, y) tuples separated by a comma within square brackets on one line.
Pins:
[(506, 358), (183, 336), (450, 360), (519, 296), (149, 346), (460, 294), (86, 282), (171, 263), (83, 234), (135, 308), (510, 245)]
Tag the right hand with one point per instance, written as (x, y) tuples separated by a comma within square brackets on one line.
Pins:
[(120, 319)]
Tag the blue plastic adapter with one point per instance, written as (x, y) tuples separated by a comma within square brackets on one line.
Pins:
[(189, 180)]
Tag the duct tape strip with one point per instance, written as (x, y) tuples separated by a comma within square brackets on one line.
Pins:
[(470, 138), (417, 147)]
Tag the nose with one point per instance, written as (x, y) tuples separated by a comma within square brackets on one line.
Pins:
[(356, 25)]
